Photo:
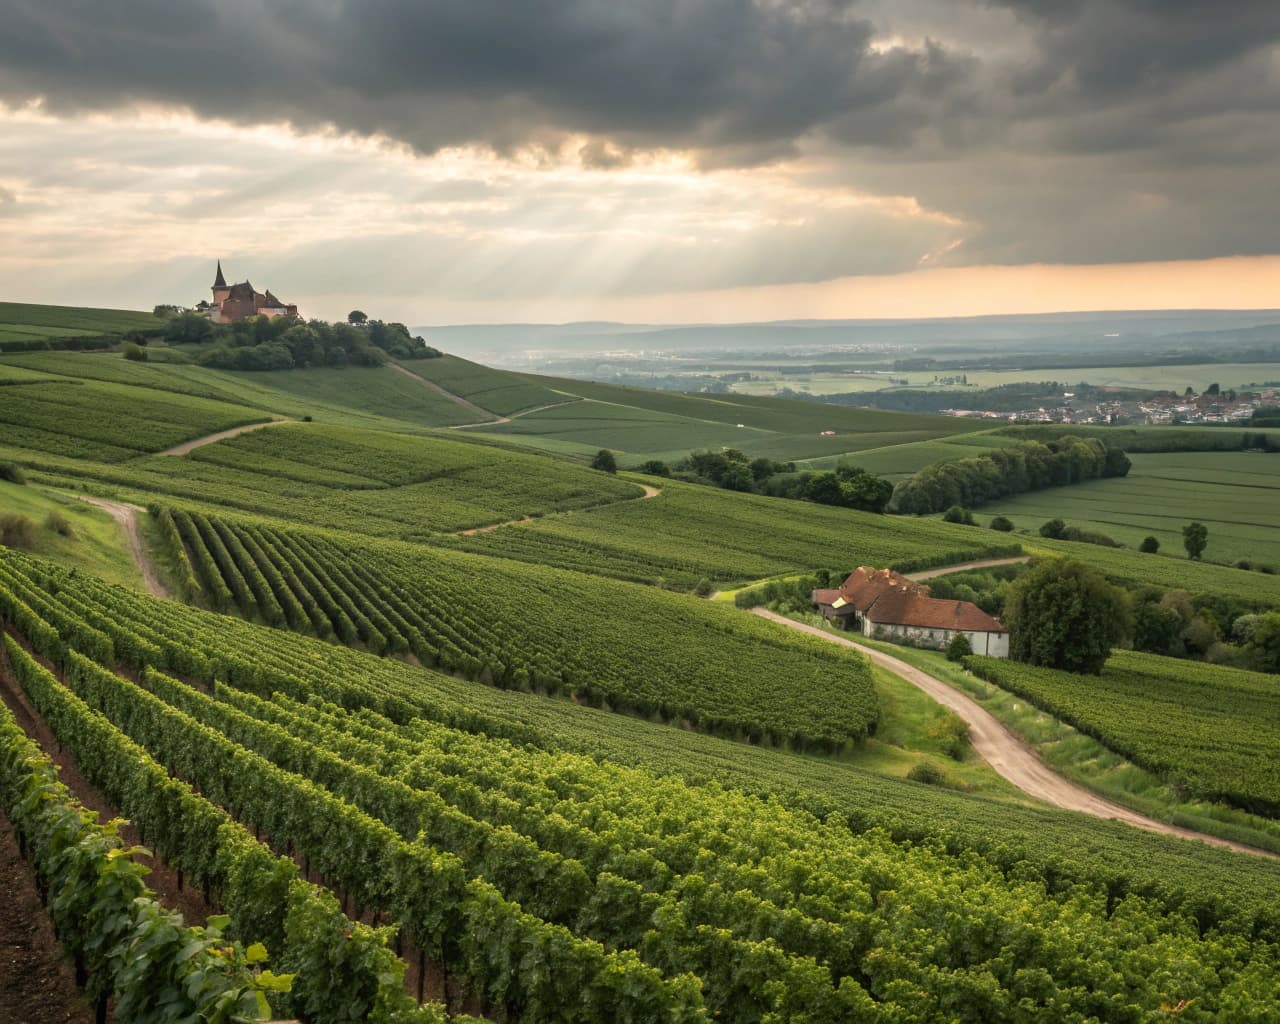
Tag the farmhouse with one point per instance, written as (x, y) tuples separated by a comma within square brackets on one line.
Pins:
[(240, 301), (888, 606)]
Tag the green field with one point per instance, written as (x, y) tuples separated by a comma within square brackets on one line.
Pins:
[(22, 322), (1213, 730), (691, 532), (108, 422), (1235, 494)]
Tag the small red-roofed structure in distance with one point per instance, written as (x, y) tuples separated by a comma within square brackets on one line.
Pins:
[(886, 605)]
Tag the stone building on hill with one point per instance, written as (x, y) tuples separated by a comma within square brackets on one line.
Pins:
[(241, 301), (886, 605)]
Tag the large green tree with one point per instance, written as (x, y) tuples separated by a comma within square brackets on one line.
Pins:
[(1065, 615), (1194, 538)]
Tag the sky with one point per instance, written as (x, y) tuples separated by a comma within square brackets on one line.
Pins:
[(462, 161)]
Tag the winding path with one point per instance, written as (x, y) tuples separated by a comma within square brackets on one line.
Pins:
[(946, 570), (221, 435), (1007, 753), (127, 516), (649, 492)]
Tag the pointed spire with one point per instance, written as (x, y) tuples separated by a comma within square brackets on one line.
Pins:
[(219, 281)]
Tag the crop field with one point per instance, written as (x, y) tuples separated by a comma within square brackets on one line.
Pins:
[(559, 887), (1235, 494), (1212, 729), (899, 460), (23, 322), (496, 390), (501, 622), (108, 422), (266, 391), (375, 390), (666, 425), (690, 532), (371, 482)]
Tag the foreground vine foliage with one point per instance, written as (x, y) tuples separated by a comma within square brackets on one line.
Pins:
[(561, 887)]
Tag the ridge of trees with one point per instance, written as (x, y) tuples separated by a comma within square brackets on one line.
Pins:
[(286, 343), (1001, 472)]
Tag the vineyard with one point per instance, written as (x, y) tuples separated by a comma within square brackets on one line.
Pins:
[(691, 532), (1212, 730), (559, 887), (626, 648), (366, 481), (107, 422)]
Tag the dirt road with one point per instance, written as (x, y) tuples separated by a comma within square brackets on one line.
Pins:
[(1009, 755), (946, 570), (221, 435), (127, 516)]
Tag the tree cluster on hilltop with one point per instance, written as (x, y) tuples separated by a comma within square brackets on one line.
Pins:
[(844, 487), (1002, 472), (285, 343)]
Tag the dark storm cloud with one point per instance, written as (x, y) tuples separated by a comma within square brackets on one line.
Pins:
[(1075, 130)]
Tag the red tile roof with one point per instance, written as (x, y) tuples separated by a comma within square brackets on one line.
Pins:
[(924, 612), (889, 598)]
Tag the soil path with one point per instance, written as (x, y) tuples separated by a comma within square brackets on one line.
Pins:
[(221, 435), (649, 492), (946, 570), (36, 985), (127, 516), (470, 406), (1007, 753)]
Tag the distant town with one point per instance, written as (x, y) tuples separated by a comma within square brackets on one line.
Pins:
[(1210, 407)]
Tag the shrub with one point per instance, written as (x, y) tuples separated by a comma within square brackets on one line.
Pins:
[(57, 523), (1054, 529), (133, 351), (12, 472), (929, 774), (1002, 524), (655, 467), (1149, 545), (17, 531), (704, 588), (959, 647), (604, 461), (958, 514)]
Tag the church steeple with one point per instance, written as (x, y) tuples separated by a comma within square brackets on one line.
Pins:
[(219, 281)]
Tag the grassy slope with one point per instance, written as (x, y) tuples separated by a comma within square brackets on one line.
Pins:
[(97, 543), (21, 321)]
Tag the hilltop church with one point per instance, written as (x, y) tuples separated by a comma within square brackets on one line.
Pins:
[(241, 301)]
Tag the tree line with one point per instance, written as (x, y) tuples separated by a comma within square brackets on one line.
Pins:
[(286, 343), (1001, 472)]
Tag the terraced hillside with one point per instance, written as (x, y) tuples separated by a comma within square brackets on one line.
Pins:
[(25, 326)]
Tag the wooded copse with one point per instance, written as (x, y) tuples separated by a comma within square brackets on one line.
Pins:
[(1001, 472), (283, 343)]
